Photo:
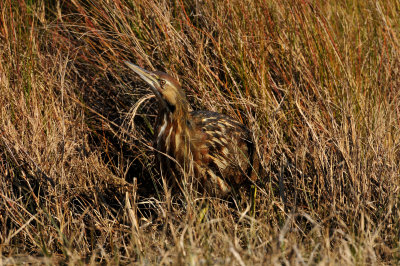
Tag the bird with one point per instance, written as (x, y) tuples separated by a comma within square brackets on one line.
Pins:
[(216, 150)]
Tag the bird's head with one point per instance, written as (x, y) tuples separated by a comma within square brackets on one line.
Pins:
[(167, 90)]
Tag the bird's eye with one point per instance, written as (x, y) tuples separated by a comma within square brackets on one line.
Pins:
[(162, 82)]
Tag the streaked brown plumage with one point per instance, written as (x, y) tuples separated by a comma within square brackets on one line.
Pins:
[(212, 147)]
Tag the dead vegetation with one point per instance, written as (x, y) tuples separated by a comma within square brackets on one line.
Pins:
[(318, 84)]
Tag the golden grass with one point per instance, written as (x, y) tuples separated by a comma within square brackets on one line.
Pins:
[(318, 84)]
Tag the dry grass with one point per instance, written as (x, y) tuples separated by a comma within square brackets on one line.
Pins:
[(318, 84)]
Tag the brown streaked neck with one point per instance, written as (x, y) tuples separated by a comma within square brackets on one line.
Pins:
[(175, 120), (178, 113)]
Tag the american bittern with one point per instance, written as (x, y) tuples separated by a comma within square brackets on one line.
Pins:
[(212, 147)]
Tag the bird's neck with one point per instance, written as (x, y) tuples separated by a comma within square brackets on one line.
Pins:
[(174, 130), (178, 115)]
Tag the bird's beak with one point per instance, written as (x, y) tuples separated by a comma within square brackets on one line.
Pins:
[(151, 79)]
